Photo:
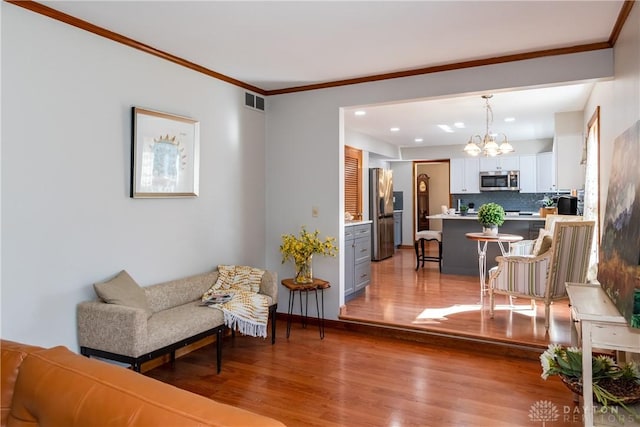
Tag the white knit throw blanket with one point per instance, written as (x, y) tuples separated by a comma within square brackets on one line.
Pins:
[(248, 312)]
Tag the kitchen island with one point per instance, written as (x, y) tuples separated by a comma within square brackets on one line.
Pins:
[(460, 254)]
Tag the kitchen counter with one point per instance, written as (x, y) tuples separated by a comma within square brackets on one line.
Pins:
[(460, 254), (357, 222), (532, 217)]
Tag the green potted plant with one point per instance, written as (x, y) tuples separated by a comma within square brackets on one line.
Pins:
[(547, 207), (463, 210), (613, 383), (491, 216)]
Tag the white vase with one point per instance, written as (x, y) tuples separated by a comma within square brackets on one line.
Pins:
[(490, 230)]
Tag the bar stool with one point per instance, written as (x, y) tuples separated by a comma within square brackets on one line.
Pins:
[(428, 236)]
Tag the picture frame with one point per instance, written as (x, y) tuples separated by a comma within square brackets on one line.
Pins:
[(165, 155)]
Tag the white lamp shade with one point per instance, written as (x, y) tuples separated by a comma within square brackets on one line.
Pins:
[(491, 145), (505, 147), (472, 148)]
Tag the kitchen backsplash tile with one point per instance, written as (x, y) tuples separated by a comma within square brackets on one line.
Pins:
[(509, 200)]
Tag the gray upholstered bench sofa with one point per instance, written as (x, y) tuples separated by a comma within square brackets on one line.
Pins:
[(164, 318)]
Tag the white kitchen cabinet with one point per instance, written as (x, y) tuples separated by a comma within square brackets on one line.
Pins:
[(488, 164), (499, 163), (572, 174), (528, 174), (568, 145), (546, 176), (464, 175)]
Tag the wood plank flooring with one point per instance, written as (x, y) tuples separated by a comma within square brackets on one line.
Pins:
[(356, 378), (426, 300)]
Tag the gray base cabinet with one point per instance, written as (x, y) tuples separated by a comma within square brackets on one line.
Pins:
[(397, 229), (357, 258)]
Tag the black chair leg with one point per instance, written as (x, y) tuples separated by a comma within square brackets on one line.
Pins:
[(419, 244)]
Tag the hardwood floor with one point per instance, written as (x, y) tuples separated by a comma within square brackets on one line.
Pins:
[(363, 377), (428, 301), (355, 379)]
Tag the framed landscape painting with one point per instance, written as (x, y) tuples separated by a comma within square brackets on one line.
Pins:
[(165, 152), (619, 265)]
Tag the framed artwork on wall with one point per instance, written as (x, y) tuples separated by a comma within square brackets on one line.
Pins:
[(619, 265), (165, 155)]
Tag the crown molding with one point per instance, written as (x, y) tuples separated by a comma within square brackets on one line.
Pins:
[(119, 38), (36, 7)]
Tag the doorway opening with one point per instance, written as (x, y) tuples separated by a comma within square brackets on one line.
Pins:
[(431, 192)]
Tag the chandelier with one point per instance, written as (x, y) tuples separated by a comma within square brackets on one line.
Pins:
[(488, 145)]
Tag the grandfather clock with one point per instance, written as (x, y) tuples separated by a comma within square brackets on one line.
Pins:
[(422, 201)]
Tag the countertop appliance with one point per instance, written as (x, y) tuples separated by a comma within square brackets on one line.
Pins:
[(500, 181), (381, 211), (567, 205)]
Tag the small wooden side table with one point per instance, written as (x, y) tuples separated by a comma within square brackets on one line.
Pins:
[(317, 284)]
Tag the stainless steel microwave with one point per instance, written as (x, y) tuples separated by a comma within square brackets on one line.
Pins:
[(500, 181)]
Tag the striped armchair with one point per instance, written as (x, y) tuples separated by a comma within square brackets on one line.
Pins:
[(543, 277), (525, 247)]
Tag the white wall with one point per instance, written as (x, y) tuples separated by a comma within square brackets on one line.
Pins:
[(403, 181), (441, 152), (67, 219), (619, 99), (368, 143), (305, 138)]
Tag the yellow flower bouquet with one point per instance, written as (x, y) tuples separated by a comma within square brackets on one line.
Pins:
[(301, 248)]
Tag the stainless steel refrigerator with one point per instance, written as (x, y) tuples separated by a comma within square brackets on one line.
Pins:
[(381, 212)]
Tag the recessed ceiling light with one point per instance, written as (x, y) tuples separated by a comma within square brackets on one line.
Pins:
[(360, 113), (510, 119), (459, 125), (446, 128), (418, 140), (394, 129)]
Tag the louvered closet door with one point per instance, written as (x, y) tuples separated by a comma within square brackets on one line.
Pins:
[(353, 182)]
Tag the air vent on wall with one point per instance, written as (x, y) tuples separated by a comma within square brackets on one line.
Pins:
[(254, 101)]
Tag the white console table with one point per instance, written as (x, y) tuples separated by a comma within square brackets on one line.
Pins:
[(598, 325)]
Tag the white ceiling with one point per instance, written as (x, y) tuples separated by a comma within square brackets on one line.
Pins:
[(532, 109), (274, 45)]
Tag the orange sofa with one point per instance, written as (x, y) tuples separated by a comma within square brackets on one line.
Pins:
[(57, 387)]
